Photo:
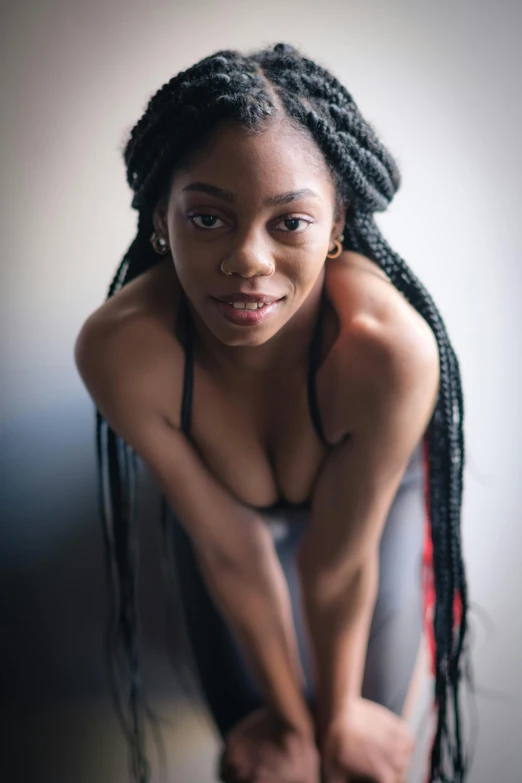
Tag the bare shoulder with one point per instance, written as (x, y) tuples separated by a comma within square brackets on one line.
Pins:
[(127, 352), (359, 288), (385, 347), (155, 293)]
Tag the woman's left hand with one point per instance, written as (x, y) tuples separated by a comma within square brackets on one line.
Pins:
[(261, 749)]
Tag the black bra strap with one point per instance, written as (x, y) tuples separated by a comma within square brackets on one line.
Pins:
[(188, 378), (314, 357)]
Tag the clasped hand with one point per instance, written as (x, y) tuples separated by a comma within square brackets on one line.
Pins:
[(366, 743), (262, 749)]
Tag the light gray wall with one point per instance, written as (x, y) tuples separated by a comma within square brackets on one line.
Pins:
[(440, 83)]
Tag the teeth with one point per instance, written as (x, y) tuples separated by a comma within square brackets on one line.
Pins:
[(247, 305)]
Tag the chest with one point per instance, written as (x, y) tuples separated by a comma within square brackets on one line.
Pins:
[(262, 446)]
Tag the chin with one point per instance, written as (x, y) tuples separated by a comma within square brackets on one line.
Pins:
[(241, 337)]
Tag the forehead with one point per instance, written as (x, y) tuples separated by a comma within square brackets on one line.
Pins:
[(277, 158)]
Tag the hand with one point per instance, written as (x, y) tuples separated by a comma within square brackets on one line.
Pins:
[(261, 749), (367, 742)]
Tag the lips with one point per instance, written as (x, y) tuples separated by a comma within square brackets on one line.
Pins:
[(244, 316), (240, 297)]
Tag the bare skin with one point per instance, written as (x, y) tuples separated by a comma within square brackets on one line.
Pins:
[(250, 417), (269, 412)]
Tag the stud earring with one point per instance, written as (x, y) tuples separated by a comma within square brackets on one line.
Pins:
[(159, 244)]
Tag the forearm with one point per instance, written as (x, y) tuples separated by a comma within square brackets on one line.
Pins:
[(338, 620), (253, 596)]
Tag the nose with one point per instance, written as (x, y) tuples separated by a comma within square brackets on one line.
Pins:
[(249, 259)]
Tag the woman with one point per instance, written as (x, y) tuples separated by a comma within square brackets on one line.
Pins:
[(291, 386)]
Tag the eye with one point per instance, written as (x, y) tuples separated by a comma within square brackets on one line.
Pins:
[(292, 224), (208, 221)]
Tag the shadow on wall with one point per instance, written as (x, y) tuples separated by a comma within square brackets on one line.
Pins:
[(53, 578)]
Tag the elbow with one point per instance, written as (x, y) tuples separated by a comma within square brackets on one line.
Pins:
[(244, 559), (320, 560), (326, 581), (216, 560)]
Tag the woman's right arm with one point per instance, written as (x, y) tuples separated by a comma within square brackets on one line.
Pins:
[(233, 545)]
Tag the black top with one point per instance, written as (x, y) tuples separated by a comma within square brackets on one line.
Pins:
[(314, 357)]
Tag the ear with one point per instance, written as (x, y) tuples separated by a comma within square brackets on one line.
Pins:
[(159, 218), (338, 225)]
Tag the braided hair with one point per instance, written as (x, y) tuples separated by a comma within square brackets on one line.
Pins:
[(179, 119)]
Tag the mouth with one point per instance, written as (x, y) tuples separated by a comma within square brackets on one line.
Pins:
[(247, 309), (248, 301)]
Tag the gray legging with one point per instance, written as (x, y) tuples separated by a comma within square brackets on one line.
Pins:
[(396, 627)]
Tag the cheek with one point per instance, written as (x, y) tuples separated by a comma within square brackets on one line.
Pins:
[(303, 271), (191, 262), (193, 281)]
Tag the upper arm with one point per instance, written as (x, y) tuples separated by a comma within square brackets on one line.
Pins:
[(131, 393), (218, 525), (395, 382)]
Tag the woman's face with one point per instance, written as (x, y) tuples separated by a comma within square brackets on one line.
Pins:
[(258, 204)]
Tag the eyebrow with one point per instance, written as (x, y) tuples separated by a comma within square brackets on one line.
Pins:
[(230, 197)]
